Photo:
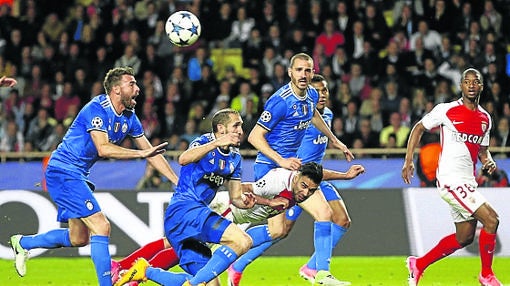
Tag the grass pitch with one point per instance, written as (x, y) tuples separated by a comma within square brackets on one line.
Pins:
[(275, 271)]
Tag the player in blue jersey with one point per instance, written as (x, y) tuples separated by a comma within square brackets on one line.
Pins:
[(211, 161), (96, 133), (312, 149)]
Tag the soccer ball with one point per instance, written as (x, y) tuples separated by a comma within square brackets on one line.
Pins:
[(183, 28)]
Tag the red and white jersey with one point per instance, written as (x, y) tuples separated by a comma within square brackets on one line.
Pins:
[(463, 131), (276, 182)]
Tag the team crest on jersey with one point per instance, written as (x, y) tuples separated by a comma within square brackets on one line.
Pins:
[(89, 205), (265, 116), (124, 127), (116, 127), (97, 122), (304, 108), (484, 126)]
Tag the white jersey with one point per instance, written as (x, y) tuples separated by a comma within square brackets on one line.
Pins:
[(276, 182), (463, 131)]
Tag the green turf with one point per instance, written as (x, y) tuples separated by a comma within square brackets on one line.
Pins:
[(280, 271)]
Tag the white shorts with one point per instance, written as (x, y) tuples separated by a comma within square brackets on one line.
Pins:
[(463, 199)]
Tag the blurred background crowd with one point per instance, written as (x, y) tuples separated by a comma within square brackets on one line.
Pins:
[(387, 63)]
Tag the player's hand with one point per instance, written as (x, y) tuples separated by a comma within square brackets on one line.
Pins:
[(408, 172), (290, 163), (341, 146), (279, 203), (248, 200), (229, 139), (354, 171), (489, 167), (7, 81), (155, 150)]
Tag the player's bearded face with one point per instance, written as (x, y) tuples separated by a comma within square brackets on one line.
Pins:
[(236, 126), (301, 73), (129, 90), (303, 187)]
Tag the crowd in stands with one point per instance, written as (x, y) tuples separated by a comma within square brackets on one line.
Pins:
[(387, 63)]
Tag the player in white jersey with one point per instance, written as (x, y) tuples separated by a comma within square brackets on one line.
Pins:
[(465, 128)]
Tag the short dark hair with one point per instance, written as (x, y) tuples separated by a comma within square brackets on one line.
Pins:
[(318, 78), (313, 171), (114, 76), (222, 116)]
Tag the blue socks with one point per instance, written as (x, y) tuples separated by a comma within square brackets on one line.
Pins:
[(337, 232), (164, 277), (322, 243), (259, 234), (219, 262), (251, 255), (52, 239), (100, 255)]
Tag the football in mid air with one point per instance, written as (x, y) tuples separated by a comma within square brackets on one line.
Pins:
[(183, 28)]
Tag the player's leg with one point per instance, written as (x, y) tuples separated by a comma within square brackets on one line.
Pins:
[(69, 195), (263, 236), (234, 242), (487, 243), (461, 205), (317, 206), (99, 227)]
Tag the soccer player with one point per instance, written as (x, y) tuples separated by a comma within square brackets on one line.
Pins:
[(279, 189), (465, 130), (312, 149), (211, 161), (96, 132)]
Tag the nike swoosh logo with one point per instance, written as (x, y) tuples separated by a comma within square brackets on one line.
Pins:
[(457, 122)]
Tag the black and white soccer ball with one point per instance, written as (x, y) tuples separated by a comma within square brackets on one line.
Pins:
[(183, 28)]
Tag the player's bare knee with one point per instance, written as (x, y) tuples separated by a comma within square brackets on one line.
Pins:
[(491, 224), (244, 243), (79, 241), (324, 215), (465, 241)]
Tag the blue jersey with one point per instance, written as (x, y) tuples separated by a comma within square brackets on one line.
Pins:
[(77, 152), (286, 116), (199, 181), (314, 144)]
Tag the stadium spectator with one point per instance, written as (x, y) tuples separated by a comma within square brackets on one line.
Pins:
[(240, 29), (11, 139), (431, 38), (395, 128)]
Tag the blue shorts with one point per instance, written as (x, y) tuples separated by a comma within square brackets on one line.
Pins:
[(329, 192), (72, 194), (188, 225), (259, 170)]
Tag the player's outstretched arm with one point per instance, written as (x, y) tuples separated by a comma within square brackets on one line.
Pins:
[(158, 162), (412, 143), (353, 172), (319, 122), (105, 149)]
